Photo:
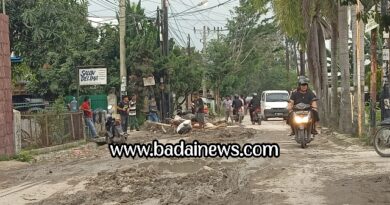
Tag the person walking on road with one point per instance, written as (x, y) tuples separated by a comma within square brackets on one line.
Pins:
[(236, 105), (133, 113)]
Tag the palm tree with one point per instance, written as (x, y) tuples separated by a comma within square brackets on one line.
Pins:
[(345, 124)]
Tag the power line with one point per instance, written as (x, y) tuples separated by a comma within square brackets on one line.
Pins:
[(172, 8), (201, 10), (103, 5)]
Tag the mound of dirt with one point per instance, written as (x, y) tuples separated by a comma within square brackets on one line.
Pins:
[(223, 135), (138, 185)]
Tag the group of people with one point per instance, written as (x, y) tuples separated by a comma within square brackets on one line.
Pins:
[(127, 109), (234, 109), (128, 112)]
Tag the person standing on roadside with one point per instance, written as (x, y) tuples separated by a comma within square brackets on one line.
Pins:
[(88, 114), (153, 110), (133, 113), (242, 110), (199, 110), (227, 104), (123, 108)]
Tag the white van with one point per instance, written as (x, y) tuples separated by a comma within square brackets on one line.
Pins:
[(274, 104)]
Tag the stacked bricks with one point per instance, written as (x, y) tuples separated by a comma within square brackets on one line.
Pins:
[(6, 115)]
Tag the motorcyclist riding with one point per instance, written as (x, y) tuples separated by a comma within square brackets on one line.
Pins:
[(236, 105), (253, 105), (303, 95)]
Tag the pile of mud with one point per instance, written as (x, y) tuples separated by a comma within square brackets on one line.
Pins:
[(144, 185), (228, 134)]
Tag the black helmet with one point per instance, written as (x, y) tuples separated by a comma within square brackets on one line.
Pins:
[(303, 80)]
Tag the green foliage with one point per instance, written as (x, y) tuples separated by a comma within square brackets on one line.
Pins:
[(23, 156), (290, 19), (378, 80), (59, 105), (251, 57), (52, 37), (185, 69), (22, 72)]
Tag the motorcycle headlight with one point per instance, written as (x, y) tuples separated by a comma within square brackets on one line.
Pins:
[(301, 119)]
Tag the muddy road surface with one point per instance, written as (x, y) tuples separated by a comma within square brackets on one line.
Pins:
[(328, 171)]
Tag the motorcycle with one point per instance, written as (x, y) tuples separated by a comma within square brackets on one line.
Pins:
[(256, 116), (303, 124), (382, 139), (114, 132)]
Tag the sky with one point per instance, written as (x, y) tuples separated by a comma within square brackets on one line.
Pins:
[(179, 26)]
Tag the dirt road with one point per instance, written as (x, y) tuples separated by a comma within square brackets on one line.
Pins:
[(329, 171)]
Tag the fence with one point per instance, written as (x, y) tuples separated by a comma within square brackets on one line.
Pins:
[(49, 129)]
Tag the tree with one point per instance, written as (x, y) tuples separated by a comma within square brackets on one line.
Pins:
[(52, 36), (184, 69), (345, 104)]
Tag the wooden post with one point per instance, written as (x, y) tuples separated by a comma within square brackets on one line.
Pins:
[(373, 77), (72, 121), (47, 130)]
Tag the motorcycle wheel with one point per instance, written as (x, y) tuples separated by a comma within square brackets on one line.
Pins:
[(381, 136), (301, 134), (259, 121)]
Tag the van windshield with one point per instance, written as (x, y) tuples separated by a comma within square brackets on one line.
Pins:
[(276, 97)]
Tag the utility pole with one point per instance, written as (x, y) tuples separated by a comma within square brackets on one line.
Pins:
[(165, 49), (165, 27), (189, 45), (358, 72), (122, 48), (205, 33), (204, 39)]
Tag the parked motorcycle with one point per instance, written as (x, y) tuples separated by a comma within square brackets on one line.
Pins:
[(303, 124), (256, 116), (114, 132), (382, 139)]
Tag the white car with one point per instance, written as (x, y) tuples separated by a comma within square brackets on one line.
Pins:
[(274, 104)]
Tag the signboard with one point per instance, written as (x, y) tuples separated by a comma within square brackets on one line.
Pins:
[(149, 81), (385, 34), (386, 54), (371, 24), (93, 76)]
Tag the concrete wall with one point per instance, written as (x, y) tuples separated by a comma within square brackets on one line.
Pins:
[(7, 146)]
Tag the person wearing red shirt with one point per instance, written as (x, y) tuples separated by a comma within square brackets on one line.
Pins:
[(86, 108)]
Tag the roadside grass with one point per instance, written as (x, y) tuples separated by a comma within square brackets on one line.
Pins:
[(23, 156)]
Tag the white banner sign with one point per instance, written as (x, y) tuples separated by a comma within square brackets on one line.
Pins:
[(93, 76), (149, 81)]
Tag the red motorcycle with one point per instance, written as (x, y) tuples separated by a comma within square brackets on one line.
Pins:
[(255, 116)]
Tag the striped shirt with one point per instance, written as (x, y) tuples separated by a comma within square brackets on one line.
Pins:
[(133, 108)]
